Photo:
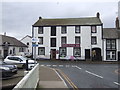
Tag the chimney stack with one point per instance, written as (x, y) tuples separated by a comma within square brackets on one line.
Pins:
[(98, 15), (40, 17), (4, 33), (117, 23)]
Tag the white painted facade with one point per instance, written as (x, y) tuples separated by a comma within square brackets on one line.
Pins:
[(27, 40), (85, 40)]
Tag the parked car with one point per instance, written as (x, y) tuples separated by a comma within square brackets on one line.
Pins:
[(7, 70), (20, 61), (28, 55)]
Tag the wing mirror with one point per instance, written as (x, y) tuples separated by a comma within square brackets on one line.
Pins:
[(20, 60)]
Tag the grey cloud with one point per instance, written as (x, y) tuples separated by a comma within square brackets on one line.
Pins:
[(19, 17)]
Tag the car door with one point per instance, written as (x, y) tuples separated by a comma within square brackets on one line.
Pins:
[(13, 60)]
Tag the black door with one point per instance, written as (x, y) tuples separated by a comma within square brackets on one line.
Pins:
[(53, 54), (5, 53), (96, 54), (119, 56), (87, 53)]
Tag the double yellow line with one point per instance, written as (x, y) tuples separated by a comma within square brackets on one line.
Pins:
[(67, 79)]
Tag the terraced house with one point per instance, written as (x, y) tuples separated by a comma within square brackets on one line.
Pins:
[(11, 46), (69, 38)]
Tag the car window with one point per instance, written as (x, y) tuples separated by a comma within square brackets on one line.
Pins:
[(13, 58), (23, 58)]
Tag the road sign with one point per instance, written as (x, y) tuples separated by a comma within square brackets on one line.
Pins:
[(34, 45), (35, 40)]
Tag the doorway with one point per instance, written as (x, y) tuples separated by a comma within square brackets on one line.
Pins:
[(119, 56), (5, 53), (53, 54), (96, 54), (87, 54)]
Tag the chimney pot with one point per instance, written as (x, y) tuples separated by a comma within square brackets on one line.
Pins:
[(40, 17), (117, 23), (98, 15)]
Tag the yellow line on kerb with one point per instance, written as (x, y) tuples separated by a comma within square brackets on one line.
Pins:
[(68, 80)]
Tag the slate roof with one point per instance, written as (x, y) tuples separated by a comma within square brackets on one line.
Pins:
[(12, 41), (68, 21), (111, 33)]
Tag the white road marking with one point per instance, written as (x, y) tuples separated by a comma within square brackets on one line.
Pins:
[(42, 65), (60, 65), (54, 65), (73, 65), (78, 67), (61, 78), (67, 65), (48, 65), (116, 83), (94, 74)]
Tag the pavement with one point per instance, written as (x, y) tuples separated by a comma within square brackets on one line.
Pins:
[(49, 78)]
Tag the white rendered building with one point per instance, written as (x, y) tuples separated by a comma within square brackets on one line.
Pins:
[(69, 38), (27, 40), (111, 44)]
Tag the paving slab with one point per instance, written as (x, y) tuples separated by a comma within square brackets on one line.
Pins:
[(50, 79)]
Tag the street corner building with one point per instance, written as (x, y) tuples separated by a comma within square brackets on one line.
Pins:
[(11, 46), (72, 38)]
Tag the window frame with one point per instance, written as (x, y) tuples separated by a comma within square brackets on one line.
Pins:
[(41, 43), (53, 30), (62, 52), (77, 29), (41, 48), (62, 40), (76, 37), (111, 55), (40, 30), (51, 42), (94, 30), (95, 38), (74, 51), (63, 29), (111, 44)]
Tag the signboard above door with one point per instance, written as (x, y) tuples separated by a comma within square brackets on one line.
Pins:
[(70, 45)]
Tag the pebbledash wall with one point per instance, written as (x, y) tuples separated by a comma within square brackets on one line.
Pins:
[(89, 41)]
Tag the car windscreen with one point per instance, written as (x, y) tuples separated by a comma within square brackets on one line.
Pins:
[(23, 58)]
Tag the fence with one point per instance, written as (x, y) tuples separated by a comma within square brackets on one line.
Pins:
[(30, 80)]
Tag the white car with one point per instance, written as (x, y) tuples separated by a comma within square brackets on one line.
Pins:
[(20, 61)]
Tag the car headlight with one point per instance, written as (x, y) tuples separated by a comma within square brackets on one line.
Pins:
[(5, 68)]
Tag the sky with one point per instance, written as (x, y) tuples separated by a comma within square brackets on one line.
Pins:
[(17, 17)]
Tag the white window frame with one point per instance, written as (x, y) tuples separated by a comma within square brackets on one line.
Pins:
[(77, 50), (62, 51), (41, 48)]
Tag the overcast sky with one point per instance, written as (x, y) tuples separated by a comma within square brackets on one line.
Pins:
[(18, 17)]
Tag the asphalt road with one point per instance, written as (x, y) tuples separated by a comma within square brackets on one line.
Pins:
[(10, 82), (87, 75)]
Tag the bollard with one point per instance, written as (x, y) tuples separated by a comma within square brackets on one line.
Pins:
[(26, 65)]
